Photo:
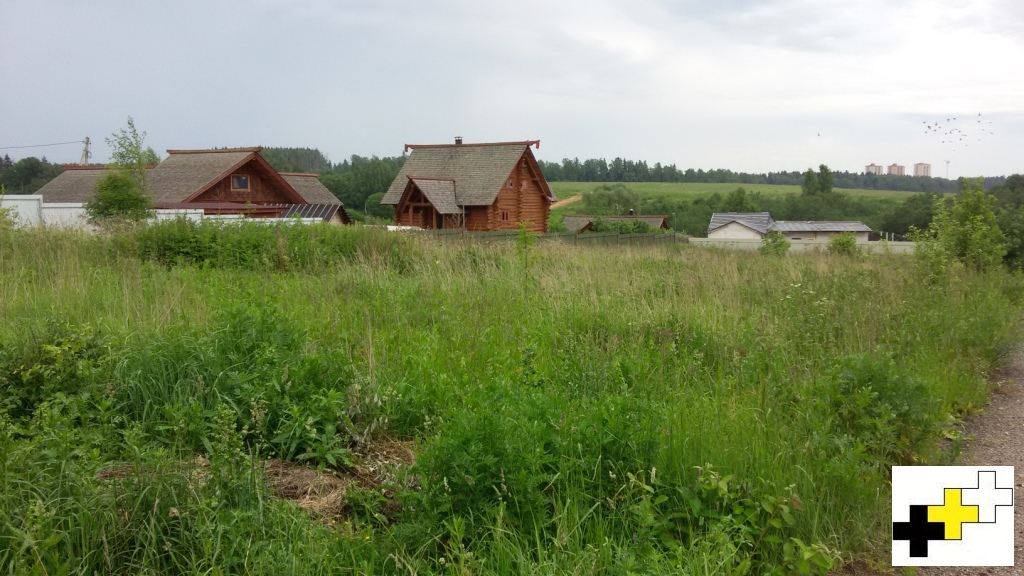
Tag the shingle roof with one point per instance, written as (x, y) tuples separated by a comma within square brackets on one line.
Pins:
[(759, 221), (179, 176), (819, 226), (185, 172), (72, 185), (441, 194), (478, 170), (576, 222), (309, 187)]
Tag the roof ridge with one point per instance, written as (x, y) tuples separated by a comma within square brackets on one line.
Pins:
[(430, 178), (535, 143), (217, 150), (312, 174)]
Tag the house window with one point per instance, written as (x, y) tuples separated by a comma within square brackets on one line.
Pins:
[(504, 215), (239, 182), (509, 183)]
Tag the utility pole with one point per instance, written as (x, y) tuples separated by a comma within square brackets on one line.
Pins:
[(85, 152)]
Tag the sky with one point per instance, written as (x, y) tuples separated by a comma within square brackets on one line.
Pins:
[(747, 85)]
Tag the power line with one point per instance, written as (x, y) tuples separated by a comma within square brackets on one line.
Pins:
[(41, 145)]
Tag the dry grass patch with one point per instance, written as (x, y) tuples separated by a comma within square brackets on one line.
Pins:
[(322, 492)]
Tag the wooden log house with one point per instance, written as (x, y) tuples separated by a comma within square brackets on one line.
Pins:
[(218, 181), (476, 187)]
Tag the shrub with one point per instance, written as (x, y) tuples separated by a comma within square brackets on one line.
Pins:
[(844, 244), (775, 244), (118, 197), (967, 232)]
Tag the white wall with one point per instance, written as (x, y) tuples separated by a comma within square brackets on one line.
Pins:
[(802, 245), (734, 230), (25, 208), (30, 210), (64, 215)]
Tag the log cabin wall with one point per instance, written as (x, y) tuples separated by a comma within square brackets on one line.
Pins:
[(477, 218), (521, 199), (262, 189)]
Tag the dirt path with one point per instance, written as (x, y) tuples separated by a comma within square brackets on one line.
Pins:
[(996, 439), (567, 201)]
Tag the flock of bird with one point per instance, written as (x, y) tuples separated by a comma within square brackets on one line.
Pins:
[(955, 132)]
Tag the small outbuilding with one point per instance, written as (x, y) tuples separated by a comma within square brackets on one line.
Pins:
[(755, 225)]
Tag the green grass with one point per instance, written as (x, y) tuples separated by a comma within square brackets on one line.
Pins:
[(690, 191), (574, 410)]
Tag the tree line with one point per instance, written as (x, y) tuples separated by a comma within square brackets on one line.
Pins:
[(621, 170), (359, 182), (26, 175)]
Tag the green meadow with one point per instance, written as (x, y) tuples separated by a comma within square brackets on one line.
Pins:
[(183, 399), (689, 191)]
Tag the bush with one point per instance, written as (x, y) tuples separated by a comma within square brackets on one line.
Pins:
[(119, 197), (257, 246), (844, 244), (775, 244), (967, 232)]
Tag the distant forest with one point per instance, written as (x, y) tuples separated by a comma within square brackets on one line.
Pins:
[(26, 175), (360, 182), (620, 170)]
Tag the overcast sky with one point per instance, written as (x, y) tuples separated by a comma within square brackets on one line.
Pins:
[(742, 84)]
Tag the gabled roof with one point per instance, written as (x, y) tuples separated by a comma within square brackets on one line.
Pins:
[(441, 194), (185, 174), (757, 221), (819, 226), (577, 223), (478, 170), (309, 187)]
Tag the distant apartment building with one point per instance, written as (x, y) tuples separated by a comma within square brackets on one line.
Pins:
[(873, 169), (896, 170), (922, 169)]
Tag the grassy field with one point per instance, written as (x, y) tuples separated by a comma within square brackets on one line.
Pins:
[(688, 191), (169, 395)]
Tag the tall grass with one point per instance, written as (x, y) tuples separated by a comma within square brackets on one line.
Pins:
[(581, 410)]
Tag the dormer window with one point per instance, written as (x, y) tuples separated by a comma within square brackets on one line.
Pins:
[(239, 182)]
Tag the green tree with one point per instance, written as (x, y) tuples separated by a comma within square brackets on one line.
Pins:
[(118, 197), (127, 154), (809, 186), (121, 194), (738, 201), (825, 180), (967, 232), (376, 209)]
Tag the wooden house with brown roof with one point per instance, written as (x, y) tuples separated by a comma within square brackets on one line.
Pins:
[(477, 187), (219, 181)]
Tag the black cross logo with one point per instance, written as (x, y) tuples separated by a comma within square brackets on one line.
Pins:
[(918, 531)]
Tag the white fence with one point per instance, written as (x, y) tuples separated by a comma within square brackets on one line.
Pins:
[(30, 210), (803, 245)]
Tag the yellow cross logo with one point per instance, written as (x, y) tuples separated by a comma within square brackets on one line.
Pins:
[(953, 513)]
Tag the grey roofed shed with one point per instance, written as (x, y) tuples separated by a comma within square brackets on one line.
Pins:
[(819, 226), (478, 170), (758, 221)]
